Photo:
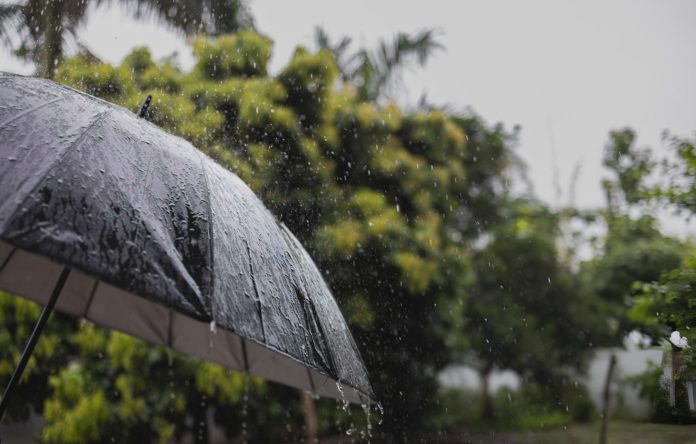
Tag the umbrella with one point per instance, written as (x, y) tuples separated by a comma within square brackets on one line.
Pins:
[(107, 217)]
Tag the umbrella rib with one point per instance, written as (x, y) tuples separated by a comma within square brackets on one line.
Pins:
[(244, 355), (91, 296), (7, 259), (256, 291), (29, 111)]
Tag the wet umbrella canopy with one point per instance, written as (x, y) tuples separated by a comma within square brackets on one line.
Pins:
[(151, 237)]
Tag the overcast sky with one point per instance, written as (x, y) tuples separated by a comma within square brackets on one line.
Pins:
[(565, 71)]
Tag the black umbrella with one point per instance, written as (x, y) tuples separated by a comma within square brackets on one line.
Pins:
[(109, 218)]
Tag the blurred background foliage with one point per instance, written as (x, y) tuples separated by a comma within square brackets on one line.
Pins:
[(412, 218)]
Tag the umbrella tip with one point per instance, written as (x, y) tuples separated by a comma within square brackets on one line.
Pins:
[(145, 106)]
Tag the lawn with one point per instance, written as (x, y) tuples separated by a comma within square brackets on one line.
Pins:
[(619, 433)]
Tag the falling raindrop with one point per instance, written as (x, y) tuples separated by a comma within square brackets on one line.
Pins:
[(213, 333), (381, 413), (245, 409)]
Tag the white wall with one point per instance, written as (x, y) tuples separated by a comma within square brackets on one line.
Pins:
[(628, 363)]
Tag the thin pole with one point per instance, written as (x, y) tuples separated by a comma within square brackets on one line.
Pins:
[(606, 410), (33, 339)]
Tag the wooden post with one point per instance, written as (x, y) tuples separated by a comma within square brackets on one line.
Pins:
[(606, 408), (310, 415)]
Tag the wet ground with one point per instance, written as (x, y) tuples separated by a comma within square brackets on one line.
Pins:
[(619, 433)]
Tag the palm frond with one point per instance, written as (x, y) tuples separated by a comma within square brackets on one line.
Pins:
[(404, 46), (345, 65), (10, 21), (185, 16), (392, 57), (212, 17)]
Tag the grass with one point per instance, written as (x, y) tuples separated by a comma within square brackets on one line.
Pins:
[(619, 433)]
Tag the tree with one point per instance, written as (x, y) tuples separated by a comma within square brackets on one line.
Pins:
[(633, 249), (680, 187), (667, 302), (211, 17), (41, 28), (525, 311), (375, 73), (629, 165), (37, 29)]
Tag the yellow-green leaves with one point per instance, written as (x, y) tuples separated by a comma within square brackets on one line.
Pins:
[(309, 79), (416, 272), (138, 61), (74, 414), (244, 54), (102, 80), (163, 77), (343, 238), (378, 216)]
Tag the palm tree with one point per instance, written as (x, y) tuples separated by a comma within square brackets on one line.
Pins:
[(376, 73), (212, 17), (38, 29)]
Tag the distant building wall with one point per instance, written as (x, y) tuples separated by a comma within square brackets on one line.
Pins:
[(626, 398)]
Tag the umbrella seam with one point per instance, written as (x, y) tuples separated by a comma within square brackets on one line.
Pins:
[(29, 111), (210, 233), (68, 150), (259, 306), (291, 241)]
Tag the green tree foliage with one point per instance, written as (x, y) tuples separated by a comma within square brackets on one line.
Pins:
[(668, 302), (633, 249), (525, 311), (646, 280), (17, 319), (37, 30), (680, 173), (125, 390), (629, 166)]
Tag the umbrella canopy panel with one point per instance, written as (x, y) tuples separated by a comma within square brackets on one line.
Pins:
[(165, 244)]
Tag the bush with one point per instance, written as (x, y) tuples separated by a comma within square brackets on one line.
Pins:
[(529, 408)]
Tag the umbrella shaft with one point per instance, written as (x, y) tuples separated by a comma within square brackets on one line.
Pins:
[(33, 339)]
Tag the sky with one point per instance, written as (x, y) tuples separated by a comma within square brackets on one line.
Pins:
[(566, 72)]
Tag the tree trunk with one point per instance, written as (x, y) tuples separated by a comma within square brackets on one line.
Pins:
[(53, 45), (487, 413), (606, 408), (310, 415)]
